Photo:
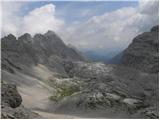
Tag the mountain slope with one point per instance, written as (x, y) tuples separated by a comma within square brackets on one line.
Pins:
[(47, 49), (54, 79), (143, 52), (116, 59), (29, 61)]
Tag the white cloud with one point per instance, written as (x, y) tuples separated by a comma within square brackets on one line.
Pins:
[(42, 19), (38, 20), (10, 18), (113, 30), (148, 6)]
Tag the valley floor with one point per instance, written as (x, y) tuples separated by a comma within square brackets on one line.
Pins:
[(48, 115)]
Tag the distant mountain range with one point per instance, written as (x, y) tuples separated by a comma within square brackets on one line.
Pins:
[(117, 59), (101, 56)]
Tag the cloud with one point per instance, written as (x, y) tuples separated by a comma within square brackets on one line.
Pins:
[(148, 6), (113, 30), (38, 20), (42, 19), (10, 18)]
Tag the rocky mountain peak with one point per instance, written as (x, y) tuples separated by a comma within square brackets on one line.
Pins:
[(10, 37), (50, 32), (155, 29), (43, 49), (26, 35), (26, 38), (53, 37), (37, 36)]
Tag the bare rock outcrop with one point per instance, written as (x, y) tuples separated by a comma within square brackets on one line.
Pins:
[(143, 52), (47, 49), (11, 104)]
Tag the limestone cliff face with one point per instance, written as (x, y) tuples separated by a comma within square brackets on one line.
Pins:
[(143, 52), (27, 55), (47, 49)]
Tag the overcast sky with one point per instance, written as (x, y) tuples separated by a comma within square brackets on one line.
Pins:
[(95, 26)]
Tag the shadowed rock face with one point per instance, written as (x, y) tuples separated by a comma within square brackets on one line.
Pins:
[(10, 95), (143, 52), (11, 104), (47, 49)]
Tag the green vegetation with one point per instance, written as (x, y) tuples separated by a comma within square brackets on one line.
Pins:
[(63, 92)]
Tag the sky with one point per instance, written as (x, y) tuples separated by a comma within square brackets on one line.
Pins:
[(103, 26)]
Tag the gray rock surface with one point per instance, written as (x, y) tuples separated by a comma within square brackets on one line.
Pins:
[(118, 90), (47, 49), (28, 58), (52, 77), (143, 52), (11, 107), (10, 95)]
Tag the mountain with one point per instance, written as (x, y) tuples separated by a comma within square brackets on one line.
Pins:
[(143, 52), (27, 61), (47, 49), (117, 59), (79, 52), (56, 81), (100, 55)]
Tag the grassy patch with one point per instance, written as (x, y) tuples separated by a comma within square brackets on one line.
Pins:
[(63, 92)]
